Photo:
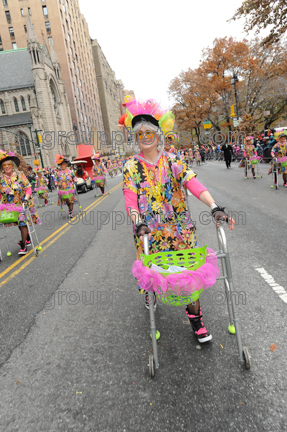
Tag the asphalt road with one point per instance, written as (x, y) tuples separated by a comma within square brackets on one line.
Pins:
[(75, 333)]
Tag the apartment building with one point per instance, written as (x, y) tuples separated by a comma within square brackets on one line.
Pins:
[(62, 25)]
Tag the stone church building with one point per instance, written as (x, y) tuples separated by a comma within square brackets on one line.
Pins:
[(33, 96)]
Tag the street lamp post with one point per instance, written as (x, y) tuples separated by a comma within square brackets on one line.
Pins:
[(234, 80)]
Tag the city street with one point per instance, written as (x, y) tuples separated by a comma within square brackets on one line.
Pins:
[(75, 333)]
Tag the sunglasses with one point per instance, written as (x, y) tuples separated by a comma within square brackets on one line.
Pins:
[(146, 134), (7, 164)]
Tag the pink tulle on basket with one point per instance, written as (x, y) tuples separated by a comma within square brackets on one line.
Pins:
[(188, 281), (11, 207), (43, 188), (282, 159), (255, 158), (66, 192)]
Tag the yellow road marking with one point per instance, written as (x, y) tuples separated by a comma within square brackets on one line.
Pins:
[(67, 226)]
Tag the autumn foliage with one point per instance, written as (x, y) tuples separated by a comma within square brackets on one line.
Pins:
[(206, 93)]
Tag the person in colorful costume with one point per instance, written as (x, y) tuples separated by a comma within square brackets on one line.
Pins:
[(15, 190), (41, 186), (120, 165), (110, 168), (115, 167), (197, 156), (279, 150), (99, 172), (65, 181), (249, 151), (190, 157), (153, 186)]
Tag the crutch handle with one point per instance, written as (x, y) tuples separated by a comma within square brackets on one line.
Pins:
[(146, 244)]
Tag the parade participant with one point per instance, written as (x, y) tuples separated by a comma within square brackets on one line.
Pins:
[(15, 190), (279, 150), (120, 165), (110, 168), (99, 172), (197, 156), (65, 181), (81, 173), (228, 152), (41, 186), (154, 182), (115, 167), (190, 157), (248, 151)]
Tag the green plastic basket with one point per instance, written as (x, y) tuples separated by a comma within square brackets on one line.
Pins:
[(42, 191), (99, 181), (8, 217), (284, 164), (68, 195), (188, 259)]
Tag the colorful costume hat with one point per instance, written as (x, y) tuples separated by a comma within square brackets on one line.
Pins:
[(4, 156), (148, 110), (60, 159), (96, 156)]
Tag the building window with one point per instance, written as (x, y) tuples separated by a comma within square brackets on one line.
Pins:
[(78, 91), (14, 45), (48, 28), (23, 147), (76, 57), (70, 18), (78, 70), (73, 86), (85, 107), (82, 95), (2, 106), (73, 64), (71, 51), (69, 37), (22, 12), (67, 24), (76, 79), (29, 100), (80, 82), (82, 116), (11, 30), (72, 31), (64, 9), (71, 72), (45, 11), (84, 129), (86, 118), (64, 30), (8, 16), (23, 103), (61, 13), (25, 29), (16, 105), (5, 2), (69, 58), (67, 4), (78, 112), (29, 11), (76, 100), (80, 125), (80, 103), (66, 43)]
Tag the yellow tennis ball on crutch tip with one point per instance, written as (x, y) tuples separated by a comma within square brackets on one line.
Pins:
[(80, 206), (271, 186), (8, 253), (40, 248)]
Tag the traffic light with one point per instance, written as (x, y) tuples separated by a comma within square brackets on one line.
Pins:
[(232, 112), (39, 138)]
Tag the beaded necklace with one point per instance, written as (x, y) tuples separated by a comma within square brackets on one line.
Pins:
[(155, 190)]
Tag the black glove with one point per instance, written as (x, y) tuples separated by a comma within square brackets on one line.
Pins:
[(142, 229), (219, 215)]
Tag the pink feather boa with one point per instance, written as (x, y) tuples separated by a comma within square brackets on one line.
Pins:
[(186, 282), (41, 189), (11, 207), (66, 192)]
